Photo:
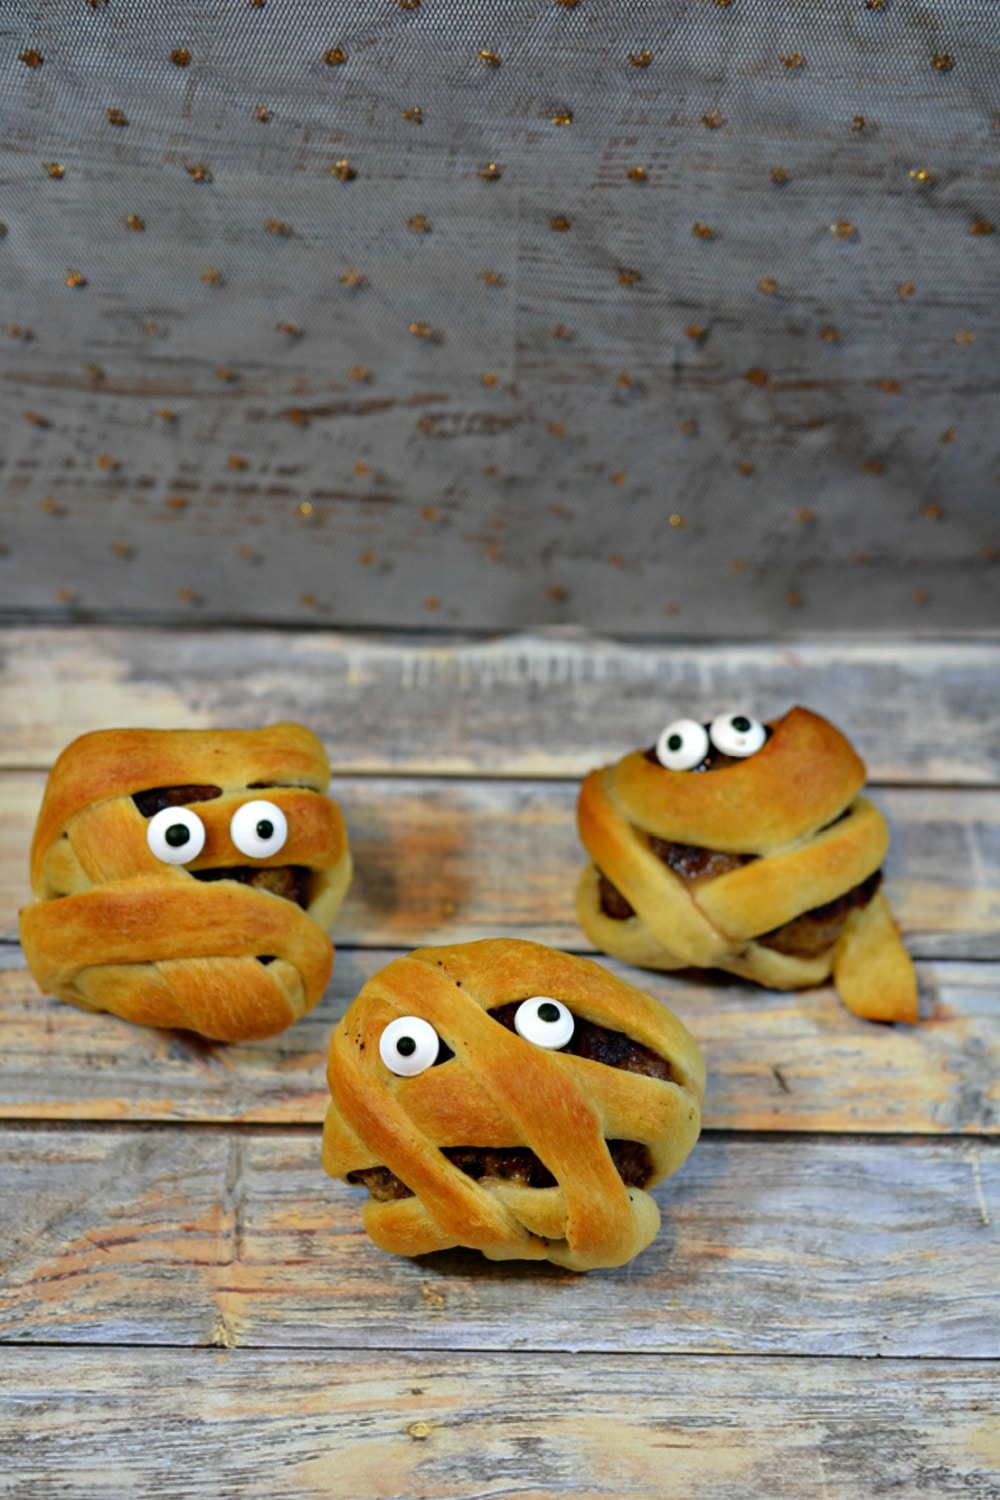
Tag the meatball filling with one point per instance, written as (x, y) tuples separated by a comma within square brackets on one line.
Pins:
[(509, 1164), (159, 797), (291, 882), (806, 936), (815, 931)]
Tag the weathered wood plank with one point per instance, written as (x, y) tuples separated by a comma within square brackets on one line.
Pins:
[(522, 705), (807, 1246), (446, 860), (286, 1425), (775, 1062)]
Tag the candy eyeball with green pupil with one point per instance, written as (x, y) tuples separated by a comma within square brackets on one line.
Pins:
[(682, 745), (176, 835), (544, 1021), (258, 829), (738, 735), (408, 1046)]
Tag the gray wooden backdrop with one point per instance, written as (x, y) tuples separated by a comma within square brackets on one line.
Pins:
[(674, 317)]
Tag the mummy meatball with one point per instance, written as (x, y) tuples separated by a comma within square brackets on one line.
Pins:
[(187, 878), (508, 1098), (748, 847)]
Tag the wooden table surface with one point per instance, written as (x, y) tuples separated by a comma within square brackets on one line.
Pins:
[(189, 1307)]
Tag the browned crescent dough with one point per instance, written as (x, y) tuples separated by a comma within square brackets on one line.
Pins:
[(113, 928), (500, 1091), (795, 806)]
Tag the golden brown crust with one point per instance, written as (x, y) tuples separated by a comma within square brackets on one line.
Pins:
[(794, 806), (501, 1091), (114, 928)]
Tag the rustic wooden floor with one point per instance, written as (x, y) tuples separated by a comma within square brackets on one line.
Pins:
[(190, 1308)]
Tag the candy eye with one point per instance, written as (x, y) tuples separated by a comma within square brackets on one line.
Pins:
[(176, 835), (737, 734), (409, 1046), (682, 745), (258, 829), (545, 1022)]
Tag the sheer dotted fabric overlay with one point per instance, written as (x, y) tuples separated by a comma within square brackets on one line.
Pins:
[(575, 313)]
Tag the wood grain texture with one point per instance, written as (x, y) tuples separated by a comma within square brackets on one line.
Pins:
[(529, 705), (776, 1062), (811, 1246), (448, 860), (282, 1426)]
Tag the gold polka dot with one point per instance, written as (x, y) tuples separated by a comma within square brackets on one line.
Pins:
[(135, 221), (712, 120), (923, 175), (54, 169), (627, 276), (859, 123), (421, 330), (965, 338), (31, 58), (305, 508), (843, 230), (767, 285), (640, 59), (694, 332), (199, 172), (414, 114), (559, 223), (343, 171), (677, 521), (563, 117), (352, 279), (792, 60), (277, 226), (943, 62), (75, 278), (981, 226), (263, 114), (116, 117), (488, 379), (491, 172), (334, 57), (419, 224), (211, 276), (180, 57), (636, 174), (906, 289), (619, 477), (778, 174), (702, 231), (489, 59)]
